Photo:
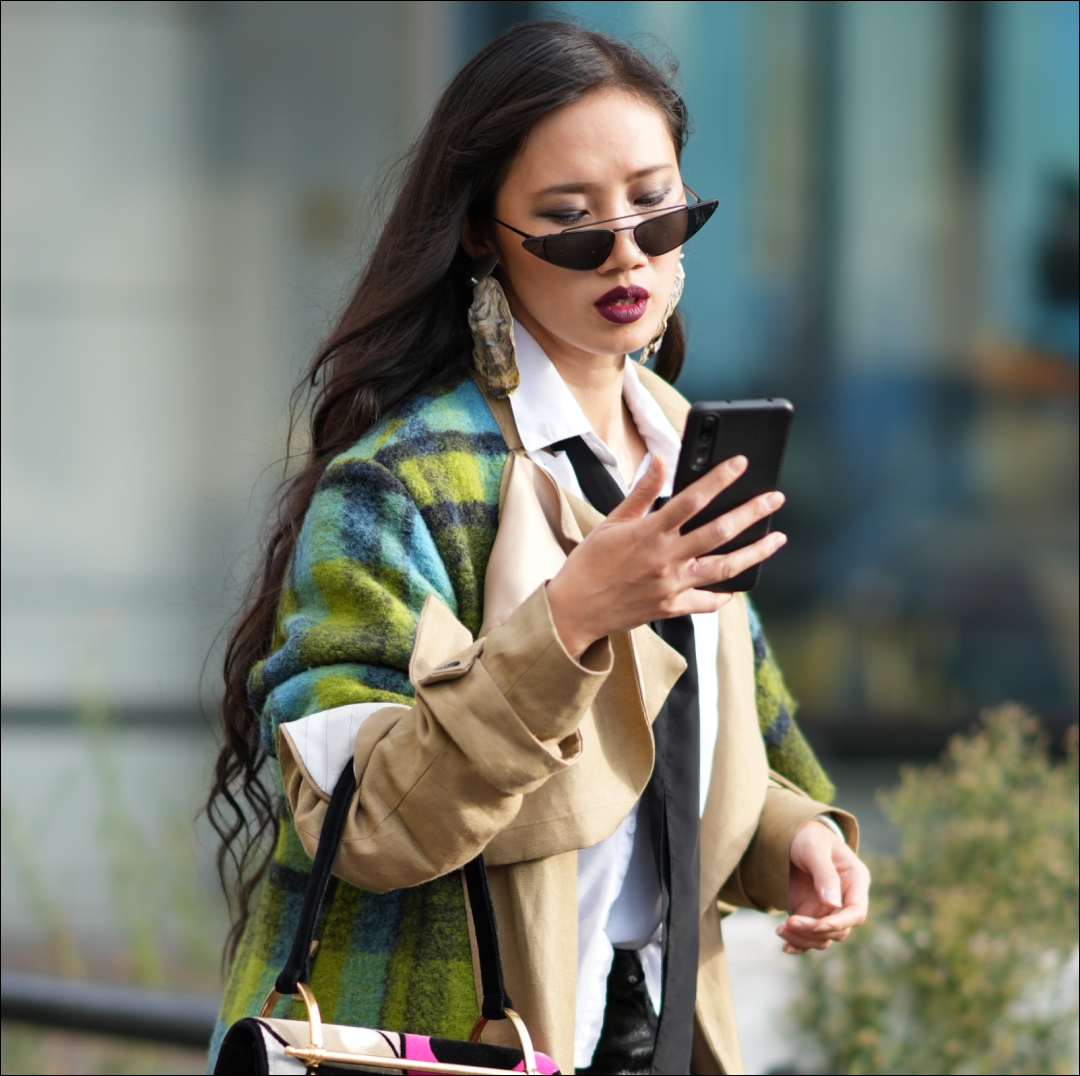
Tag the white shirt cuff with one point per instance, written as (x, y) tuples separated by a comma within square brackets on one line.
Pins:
[(828, 820)]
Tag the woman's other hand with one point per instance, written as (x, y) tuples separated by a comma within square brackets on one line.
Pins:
[(636, 566), (828, 890)]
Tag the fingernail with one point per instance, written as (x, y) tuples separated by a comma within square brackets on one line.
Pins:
[(830, 896), (778, 539), (774, 500), (737, 464)]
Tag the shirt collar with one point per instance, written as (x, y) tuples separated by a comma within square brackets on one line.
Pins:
[(546, 411), (544, 408)]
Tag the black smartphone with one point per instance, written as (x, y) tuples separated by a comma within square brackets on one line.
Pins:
[(716, 430)]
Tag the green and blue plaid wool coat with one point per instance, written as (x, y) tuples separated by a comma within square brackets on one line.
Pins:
[(410, 510)]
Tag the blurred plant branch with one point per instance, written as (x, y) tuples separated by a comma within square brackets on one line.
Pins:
[(968, 961), (61, 944)]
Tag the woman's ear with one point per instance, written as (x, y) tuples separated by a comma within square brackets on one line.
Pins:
[(475, 245)]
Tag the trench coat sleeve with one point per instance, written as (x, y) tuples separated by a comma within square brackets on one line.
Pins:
[(761, 878), (493, 720)]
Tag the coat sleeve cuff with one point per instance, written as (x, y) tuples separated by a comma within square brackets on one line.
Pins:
[(548, 689), (515, 715)]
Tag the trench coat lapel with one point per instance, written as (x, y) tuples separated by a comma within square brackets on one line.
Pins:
[(539, 524)]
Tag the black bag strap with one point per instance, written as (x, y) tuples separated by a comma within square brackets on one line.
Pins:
[(298, 966), (496, 999)]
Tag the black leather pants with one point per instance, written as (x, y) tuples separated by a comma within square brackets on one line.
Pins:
[(628, 1038)]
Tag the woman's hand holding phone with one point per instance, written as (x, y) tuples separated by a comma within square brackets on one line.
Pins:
[(637, 566)]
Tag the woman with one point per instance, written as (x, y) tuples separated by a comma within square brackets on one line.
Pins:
[(443, 607)]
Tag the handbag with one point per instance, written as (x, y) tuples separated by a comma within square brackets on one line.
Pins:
[(268, 1045)]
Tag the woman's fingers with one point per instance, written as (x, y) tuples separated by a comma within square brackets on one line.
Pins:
[(810, 927), (640, 499), (697, 601), (796, 947), (708, 570), (801, 941), (855, 883), (803, 932), (697, 495), (830, 890), (810, 930), (721, 530), (637, 566)]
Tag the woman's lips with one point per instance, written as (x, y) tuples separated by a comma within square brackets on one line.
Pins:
[(623, 305)]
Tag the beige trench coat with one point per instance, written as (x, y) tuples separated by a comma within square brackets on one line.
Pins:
[(516, 749)]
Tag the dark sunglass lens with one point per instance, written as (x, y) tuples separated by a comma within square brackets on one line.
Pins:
[(582, 250), (666, 232), (698, 215), (661, 234)]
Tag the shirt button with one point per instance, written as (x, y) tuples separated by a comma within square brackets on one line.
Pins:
[(631, 824)]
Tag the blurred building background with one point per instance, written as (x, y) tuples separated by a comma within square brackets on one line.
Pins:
[(186, 193)]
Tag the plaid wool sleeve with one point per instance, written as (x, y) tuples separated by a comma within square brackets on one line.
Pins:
[(788, 751), (408, 512)]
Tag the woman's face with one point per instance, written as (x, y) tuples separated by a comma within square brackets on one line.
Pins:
[(607, 155)]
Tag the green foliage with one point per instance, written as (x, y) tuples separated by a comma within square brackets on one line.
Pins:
[(132, 864), (169, 929), (966, 964), (61, 945), (35, 1051)]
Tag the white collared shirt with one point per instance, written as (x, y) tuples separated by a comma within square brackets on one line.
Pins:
[(618, 891)]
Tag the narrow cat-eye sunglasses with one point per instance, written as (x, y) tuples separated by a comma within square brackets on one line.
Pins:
[(583, 247)]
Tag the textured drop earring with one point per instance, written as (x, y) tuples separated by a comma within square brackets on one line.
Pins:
[(653, 346), (492, 325)]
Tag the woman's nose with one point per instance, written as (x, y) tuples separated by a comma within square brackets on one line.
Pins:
[(626, 254)]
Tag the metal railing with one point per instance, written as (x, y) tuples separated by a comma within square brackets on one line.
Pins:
[(108, 1009)]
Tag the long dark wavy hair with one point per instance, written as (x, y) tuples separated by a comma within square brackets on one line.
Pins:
[(403, 329)]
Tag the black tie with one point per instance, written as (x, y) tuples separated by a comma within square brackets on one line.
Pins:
[(672, 799)]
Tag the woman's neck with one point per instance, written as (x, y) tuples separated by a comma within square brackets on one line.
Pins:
[(596, 382)]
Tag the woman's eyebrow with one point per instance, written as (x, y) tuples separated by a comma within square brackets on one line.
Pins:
[(582, 188)]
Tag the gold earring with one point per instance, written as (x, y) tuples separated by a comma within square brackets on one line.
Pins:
[(492, 325), (653, 346)]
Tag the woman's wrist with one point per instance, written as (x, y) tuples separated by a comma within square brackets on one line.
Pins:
[(574, 637), (829, 822)]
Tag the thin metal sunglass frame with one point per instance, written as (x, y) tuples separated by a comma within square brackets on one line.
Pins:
[(531, 242)]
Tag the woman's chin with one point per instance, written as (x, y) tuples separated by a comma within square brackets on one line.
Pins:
[(626, 339)]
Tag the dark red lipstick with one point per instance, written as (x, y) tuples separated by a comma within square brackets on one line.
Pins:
[(623, 305)]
